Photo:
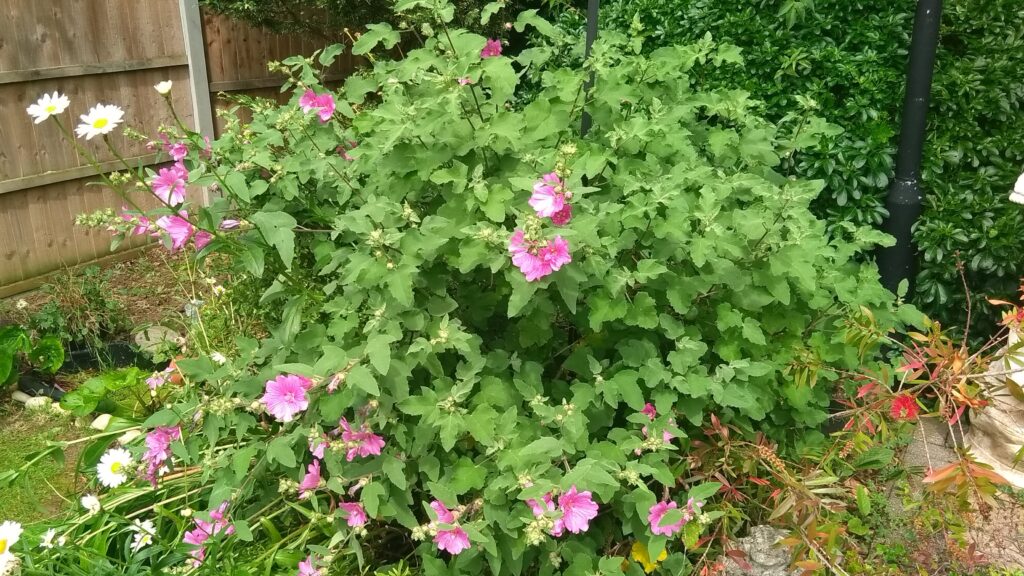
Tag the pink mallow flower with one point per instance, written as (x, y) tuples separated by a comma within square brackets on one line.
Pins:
[(311, 481), (158, 451), (204, 530), (544, 507), (178, 228), (322, 104), (536, 259), (550, 197), (141, 223), (657, 512), (158, 379), (229, 224), (201, 239), (169, 184), (578, 509), (285, 396), (563, 216), (453, 540), (491, 49), (362, 442), (355, 513), (649, 411), (308, 567), (317, 445), (178, 151), (465, 80)]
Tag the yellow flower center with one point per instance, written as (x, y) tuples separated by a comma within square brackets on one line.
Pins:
[(116, 466), (3, 545), (51, 109), (100, 123)]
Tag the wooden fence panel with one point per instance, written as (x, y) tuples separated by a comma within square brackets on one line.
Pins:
[(237, 56), (109, 52), (94, 51)]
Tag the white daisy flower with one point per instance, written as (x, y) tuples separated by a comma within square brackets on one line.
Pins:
[(218, 358), (48, 105), (91, 503), (1017, 195), (9, 534), (51, 540), (144, 532), (164, 87), (112, 470), (101, 119)]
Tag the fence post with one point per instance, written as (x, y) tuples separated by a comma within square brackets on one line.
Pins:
[(593, 7), (899, 262), (199, 83)]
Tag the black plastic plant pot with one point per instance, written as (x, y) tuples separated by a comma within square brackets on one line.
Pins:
[(112, 355), (38, 384)]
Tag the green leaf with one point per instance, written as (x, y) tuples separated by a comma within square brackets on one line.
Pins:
[(546, 446), (329, 53), (371, 497), (47, 354), (863, 500), (361, 377), (752, 331), (394, 469), (277, 229), (280, 450), (378, 350), (522, 292), (489, 9), (701, 492), (691, 533), (376, 34), (530, 18)]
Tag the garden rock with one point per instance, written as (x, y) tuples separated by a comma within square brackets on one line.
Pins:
[(101, 422), (152, 339), (38, 403), (20, 396), (763, 554)]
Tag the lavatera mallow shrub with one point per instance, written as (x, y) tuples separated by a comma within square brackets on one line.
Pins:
[(494, 340)]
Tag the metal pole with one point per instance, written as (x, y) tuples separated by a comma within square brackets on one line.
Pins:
[(593, 7), (899, 262)]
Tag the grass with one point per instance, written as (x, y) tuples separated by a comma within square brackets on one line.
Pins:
[(48, 486)]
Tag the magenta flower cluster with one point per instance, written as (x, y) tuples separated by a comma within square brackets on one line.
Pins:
[(158, 451), (658, 511), (322, 104), (204, 530), (453, 539), (575, 511), (536, 257)]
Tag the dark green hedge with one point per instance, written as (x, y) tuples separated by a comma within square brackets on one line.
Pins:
[(850, 57)]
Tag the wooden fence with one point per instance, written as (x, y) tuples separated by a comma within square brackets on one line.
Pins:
[(106, 51)]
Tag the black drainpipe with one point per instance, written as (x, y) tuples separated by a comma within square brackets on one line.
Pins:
[(899, 262)]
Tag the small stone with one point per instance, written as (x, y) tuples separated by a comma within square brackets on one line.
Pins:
[(151, 340), (20, 396), (101, 422), (765, 556), (38, 403), (129, 436)]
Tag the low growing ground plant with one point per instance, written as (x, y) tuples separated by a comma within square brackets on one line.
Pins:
[(495, 345)]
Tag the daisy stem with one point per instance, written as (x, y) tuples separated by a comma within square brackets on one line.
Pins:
[(96, 166)]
